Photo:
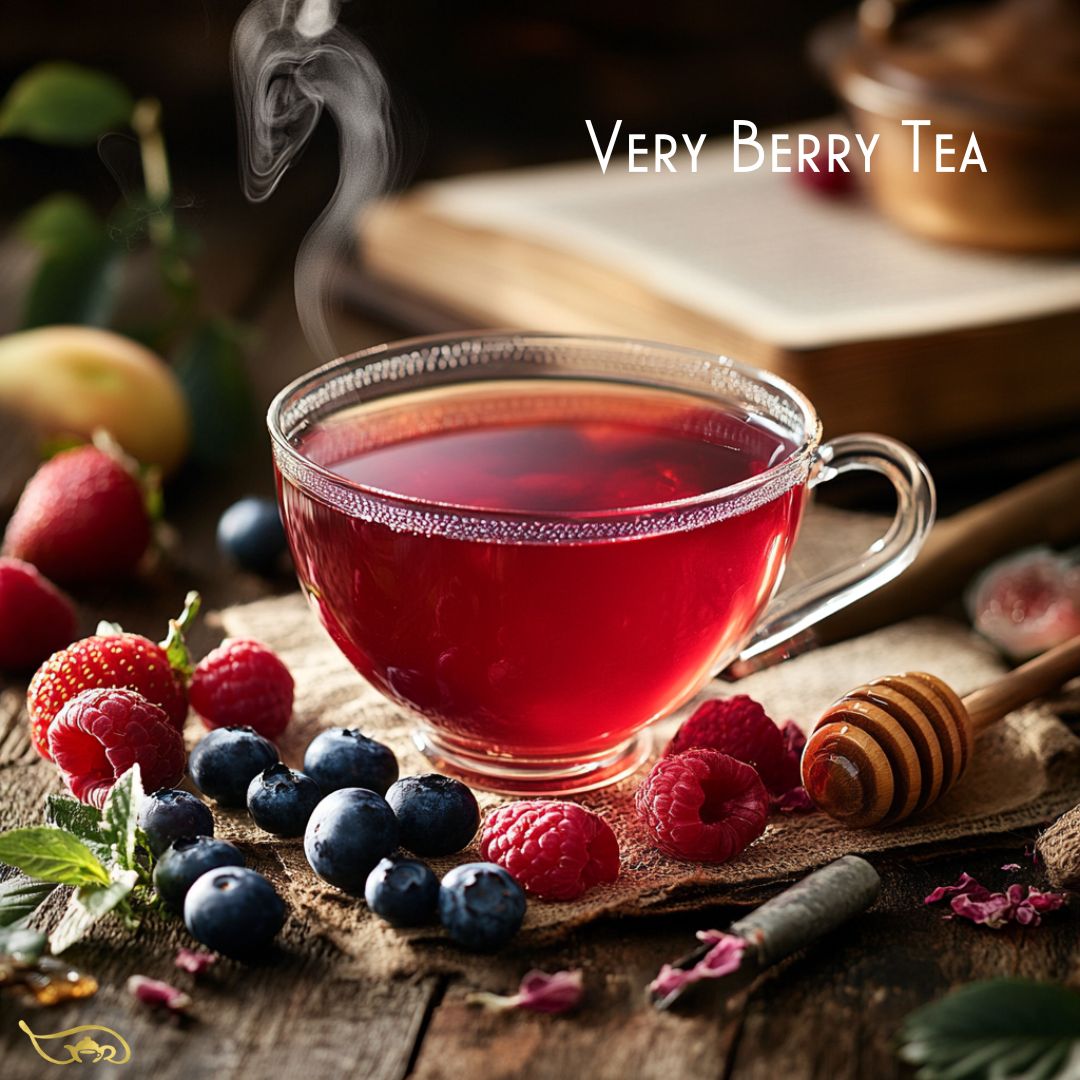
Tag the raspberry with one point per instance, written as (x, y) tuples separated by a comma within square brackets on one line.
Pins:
[(99, 734), (739, 727), (702, 805), (555, 850), (243, 684)]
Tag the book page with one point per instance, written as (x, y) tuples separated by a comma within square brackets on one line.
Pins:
[(760, 251)]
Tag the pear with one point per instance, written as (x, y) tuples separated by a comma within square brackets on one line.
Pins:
[(69, 381)]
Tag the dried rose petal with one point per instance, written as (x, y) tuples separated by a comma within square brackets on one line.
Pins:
[(723, 958), (538, 992), (157, 994), (1019, 903), (1012, 867), (965, 885), (194, 961)]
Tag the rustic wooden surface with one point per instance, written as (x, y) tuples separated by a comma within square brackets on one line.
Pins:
[(829, 1013)]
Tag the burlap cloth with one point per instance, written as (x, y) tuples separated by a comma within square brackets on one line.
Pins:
[(1025, 772)]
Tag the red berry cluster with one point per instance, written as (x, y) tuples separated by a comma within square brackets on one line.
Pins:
[(709, 795)]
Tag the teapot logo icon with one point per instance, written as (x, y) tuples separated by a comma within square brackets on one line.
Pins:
[(87, 1050)]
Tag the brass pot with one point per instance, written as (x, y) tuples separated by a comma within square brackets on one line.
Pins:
[(1007, 70)]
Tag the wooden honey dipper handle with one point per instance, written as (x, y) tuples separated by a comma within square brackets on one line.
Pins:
[(1029, 681), (891, 748)]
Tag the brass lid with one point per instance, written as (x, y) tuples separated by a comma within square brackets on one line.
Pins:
[(1010, 61)]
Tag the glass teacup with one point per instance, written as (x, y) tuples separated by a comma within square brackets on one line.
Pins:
[(541, 544)]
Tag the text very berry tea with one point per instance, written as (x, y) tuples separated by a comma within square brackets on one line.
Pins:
[(504, 556)]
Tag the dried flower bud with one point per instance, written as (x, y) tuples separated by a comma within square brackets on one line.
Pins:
[(195, 961), (538, 992), (157, 994)]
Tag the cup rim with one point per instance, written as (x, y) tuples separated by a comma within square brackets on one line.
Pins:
[(798, 460)]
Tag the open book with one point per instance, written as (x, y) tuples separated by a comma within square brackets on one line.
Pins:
[(880, 328)]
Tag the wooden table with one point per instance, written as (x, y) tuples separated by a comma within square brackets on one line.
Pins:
[(830, 1013)]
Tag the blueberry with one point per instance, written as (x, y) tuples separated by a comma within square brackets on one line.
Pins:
[(168, 814), (182, 864), (437, 814), (280, 800), (251, 534), (348, 833), (481, 906), (405, 892), (225, 760), (234, 911), (344, 757)]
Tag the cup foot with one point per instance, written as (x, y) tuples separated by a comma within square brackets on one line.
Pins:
[(539, 776)]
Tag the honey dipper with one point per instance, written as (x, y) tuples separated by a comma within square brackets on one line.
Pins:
[(890, 748)]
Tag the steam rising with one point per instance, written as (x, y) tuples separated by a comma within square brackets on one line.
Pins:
[(290, 61)]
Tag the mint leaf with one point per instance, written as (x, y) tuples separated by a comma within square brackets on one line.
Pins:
[(61, 222), (20, 897), (119, 818), (89, 904), (993, 1029), (51, 855), (65, 105), (24, 946), (72, 816)]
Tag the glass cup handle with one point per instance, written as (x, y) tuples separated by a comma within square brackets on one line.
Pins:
[(796, 610)]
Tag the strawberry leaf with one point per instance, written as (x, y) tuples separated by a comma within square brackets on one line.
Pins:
[(993, 1029), (89, 904), (120, 817), (20, 897), (50, 854)]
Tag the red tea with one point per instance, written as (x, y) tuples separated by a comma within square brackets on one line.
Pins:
[(496, 590)]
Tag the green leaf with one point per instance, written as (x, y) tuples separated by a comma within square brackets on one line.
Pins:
[(73, 285), (20, 897), (50, 854), (995, 1029), (64, 104), (23, 945), (211, 370), (87, 906), (82, 821), (120, 817), (61, 222)]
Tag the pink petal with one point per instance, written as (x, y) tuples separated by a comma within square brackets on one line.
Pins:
[(538, 992), (965, 885), (1012, 867), (194, 961), (1046, 901), (157, 994), (723, 958), (995, 911)]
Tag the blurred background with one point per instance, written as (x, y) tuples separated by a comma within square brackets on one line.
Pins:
[(478, 87)]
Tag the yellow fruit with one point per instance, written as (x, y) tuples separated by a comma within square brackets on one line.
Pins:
[(71, 380)]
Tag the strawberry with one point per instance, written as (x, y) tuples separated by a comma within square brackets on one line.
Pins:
[(82, 517), (112, 658), (36, 618)]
